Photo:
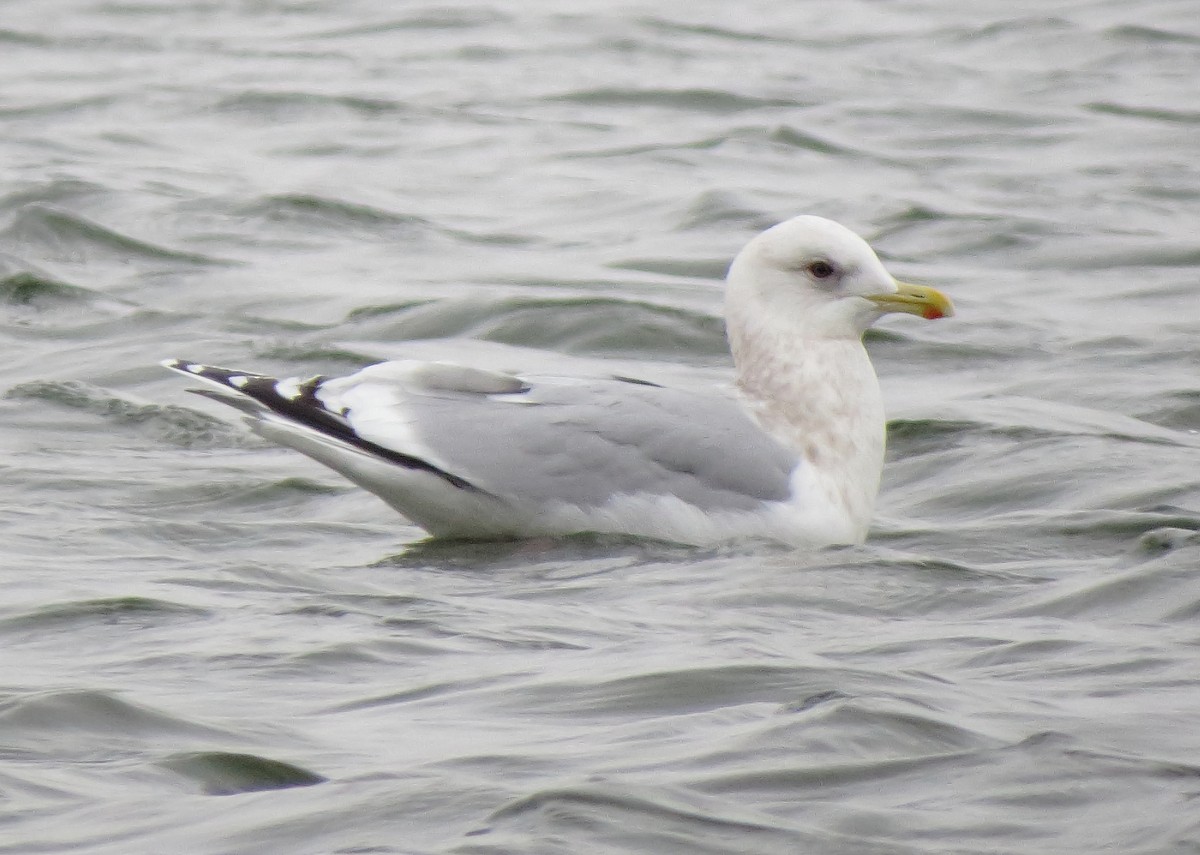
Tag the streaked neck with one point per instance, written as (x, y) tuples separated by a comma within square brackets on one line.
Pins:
[(820, 398)]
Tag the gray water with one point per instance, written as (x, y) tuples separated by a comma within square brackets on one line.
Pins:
[(212, 645)]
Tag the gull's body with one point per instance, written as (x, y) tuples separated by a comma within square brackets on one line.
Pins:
[(796, 456)]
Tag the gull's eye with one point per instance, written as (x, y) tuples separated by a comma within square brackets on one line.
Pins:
[(821, 269)]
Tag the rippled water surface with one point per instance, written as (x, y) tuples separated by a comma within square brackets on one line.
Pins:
[(208, 644)]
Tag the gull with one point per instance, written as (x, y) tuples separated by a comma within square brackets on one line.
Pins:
[(793, 454)]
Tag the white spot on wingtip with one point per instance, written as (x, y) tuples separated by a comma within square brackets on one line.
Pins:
[(238, 381), (180, 365), (289, 388)]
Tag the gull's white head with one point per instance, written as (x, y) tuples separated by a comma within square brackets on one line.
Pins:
[(818, 279)]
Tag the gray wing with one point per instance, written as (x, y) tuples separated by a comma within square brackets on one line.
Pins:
[(567, 440)]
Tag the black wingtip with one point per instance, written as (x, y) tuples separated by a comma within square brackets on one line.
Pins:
[(197, 369), (303, 408), (232, 377)]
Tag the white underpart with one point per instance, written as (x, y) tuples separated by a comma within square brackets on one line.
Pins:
[(669, 518)]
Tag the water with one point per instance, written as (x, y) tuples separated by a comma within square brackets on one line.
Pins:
[(213, 645)]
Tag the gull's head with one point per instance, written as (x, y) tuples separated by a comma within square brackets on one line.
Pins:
[(820, 280)]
